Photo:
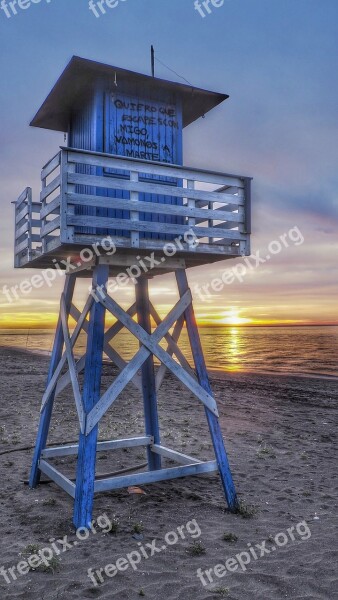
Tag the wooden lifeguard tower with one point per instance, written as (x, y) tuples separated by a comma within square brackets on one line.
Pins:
[(121, 178)]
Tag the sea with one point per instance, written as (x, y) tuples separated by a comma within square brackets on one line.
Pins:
[(282, 350)]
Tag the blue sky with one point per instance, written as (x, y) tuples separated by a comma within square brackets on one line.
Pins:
[(277, 59)]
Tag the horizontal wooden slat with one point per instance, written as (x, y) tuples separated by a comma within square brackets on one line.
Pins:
[(72, 449), (149, 226), (184, 459), (21, 230), (50, 226), (52, 207), (34, 237), (51, 166), (231, 189), (149, 188), (118, 482), (151, 207), (149, 244), (152, 168), (226, 225), (23, 196), (51, 187), (22, 214), (22, 246), (21, 238), (226, 208)]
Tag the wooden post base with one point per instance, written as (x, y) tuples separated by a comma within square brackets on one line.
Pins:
[(92, 406)]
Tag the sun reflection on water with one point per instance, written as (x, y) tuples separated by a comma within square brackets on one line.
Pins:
[(234, 349)]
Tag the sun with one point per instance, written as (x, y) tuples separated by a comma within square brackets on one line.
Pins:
[(232, 317)]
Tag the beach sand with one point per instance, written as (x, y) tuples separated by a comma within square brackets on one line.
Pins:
[(282, 445)]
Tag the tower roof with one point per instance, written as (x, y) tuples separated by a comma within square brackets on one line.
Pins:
[(81, 74)]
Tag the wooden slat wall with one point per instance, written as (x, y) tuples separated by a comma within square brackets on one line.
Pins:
[(82, 135)]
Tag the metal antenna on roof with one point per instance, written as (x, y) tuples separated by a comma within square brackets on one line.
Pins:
[(153, 61)]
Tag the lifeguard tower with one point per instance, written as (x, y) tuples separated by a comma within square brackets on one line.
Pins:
[(122, 178)]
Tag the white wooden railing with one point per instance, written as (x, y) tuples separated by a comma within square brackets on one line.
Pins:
[(27, 222), (215, 206)]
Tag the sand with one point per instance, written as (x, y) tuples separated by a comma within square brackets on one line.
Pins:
[(282, 445)]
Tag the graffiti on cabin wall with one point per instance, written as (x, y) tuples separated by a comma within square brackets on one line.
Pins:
[(143, 130)]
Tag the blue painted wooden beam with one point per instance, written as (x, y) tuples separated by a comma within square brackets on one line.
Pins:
[(71, 450), (85, 476), (114, 483), (46, 414), (148, 374), (202, 374)]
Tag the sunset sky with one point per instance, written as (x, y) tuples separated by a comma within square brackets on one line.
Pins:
[(278, 62)]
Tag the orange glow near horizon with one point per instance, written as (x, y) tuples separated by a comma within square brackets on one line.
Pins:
[(48, 321)]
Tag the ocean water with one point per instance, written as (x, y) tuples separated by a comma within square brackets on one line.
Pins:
[(293, 350)]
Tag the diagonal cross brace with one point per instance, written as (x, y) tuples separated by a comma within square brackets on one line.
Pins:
[(137, 361), (58, 370), (151, 342), (172, 340), (63, 381), (175, 336), (71, 364), (150, 345), (108, 350)]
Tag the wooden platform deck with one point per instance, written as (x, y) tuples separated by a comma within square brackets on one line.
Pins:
[(186, 216)]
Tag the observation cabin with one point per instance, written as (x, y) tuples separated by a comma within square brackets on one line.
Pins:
[(122, 175)]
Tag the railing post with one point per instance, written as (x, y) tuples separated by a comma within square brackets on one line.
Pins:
[(246, 213), (16, 226), (29, 218), (211, 221), (247, 195), (66, 231), (16, 261), (43, 202), (134, 215), (191, 203), (23, 227)]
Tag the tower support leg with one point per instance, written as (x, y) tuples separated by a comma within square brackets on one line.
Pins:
[(85, 476), (46, 413), (202, 374), (148, 374)]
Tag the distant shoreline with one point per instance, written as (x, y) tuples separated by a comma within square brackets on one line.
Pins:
[(31, 330), (215, 374)]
